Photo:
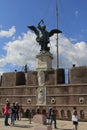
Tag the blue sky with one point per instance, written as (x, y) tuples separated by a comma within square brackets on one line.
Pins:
[(17, 43)]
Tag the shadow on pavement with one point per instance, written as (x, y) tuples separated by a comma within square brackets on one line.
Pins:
[(23, 126), (65, 129)]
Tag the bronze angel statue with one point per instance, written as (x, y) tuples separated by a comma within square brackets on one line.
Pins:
[(43, 35)]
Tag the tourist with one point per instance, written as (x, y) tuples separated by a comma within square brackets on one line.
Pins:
[(53, 116), (17, 111), (13, 112), (6, 113), (75, 118), (21, 111), (49, 114)]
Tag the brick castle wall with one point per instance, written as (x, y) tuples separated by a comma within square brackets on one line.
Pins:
[(78, 75), (17, 87)]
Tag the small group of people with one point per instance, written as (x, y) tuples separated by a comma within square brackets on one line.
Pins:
[(13, 111)]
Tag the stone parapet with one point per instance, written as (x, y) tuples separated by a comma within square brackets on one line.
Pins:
[(51, 77), (31, 78), (78, 75), (13, 79)]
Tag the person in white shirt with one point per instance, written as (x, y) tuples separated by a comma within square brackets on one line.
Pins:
[(75, 118)]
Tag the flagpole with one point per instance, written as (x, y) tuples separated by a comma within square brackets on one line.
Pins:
[(57, 34)]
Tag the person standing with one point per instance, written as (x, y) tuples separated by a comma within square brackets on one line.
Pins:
[(13, 112), (20, 112), (53, 116), (75, 118), (49, 114), (6, 113), (17, 111)]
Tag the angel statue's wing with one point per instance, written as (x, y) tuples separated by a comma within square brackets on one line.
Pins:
[(34, 29), (52, 32)]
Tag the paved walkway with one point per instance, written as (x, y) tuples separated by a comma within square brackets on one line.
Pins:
[(24, 124)]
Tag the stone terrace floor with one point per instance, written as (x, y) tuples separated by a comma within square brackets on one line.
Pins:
[(24, 124)]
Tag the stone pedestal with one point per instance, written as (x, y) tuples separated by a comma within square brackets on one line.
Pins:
[(39, 118), (41, 121), (44, 61)]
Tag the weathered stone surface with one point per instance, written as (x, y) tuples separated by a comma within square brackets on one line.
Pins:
[(41, 78), (32, 78), (78, 75), (13, 79), (44, 61), (55, 77), (39, 118), (9, 79), (50, 77), (41, 96), (66, 95)]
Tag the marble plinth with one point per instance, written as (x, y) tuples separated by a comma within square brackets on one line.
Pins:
[(44, 61)]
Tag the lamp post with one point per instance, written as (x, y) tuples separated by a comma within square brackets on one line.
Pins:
[(57, 34)]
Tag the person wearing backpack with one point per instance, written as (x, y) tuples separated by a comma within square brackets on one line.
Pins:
[(49, 114), (53, 116), (13, 112)]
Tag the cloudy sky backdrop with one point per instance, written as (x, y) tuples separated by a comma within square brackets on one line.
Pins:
[(17, 43)]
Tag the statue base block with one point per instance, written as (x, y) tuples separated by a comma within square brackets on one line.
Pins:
[(39, 118), (44, 61)]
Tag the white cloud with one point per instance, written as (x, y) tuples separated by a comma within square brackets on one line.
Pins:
[(69, 53), (8, 33), (23, 51)]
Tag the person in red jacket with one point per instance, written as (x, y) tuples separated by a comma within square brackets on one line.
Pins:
[(6, 113)]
